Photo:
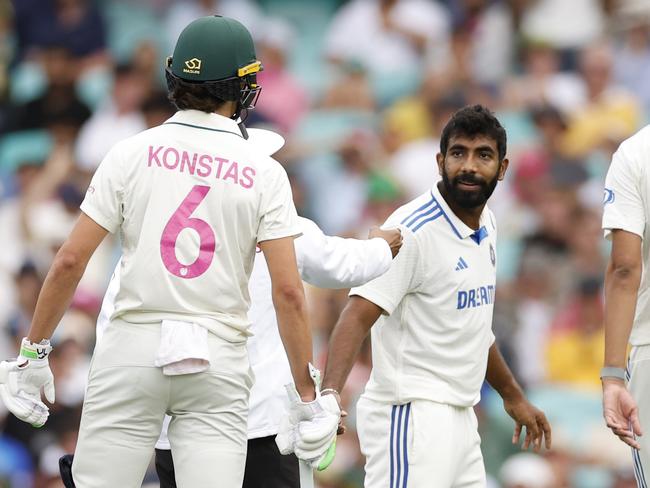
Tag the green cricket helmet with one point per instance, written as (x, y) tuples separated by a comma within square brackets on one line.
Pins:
[(217, 52)]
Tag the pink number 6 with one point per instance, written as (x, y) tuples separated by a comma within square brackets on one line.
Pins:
[(181, 220)]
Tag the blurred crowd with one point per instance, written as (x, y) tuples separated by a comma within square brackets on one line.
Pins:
[(360, 89)]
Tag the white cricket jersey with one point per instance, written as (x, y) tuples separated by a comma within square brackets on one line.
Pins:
[(323, 261), (627, 207), (191, 199), (438, 295)]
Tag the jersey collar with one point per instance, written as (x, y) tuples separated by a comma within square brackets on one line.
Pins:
[(202, 120), (458, 226)]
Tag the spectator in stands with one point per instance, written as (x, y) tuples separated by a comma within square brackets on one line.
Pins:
[(339, 192), (182, 12), (28, 285), (533, 311), (414, 165), (608, 110), (632, 58), (386, 36), (118, 117), (576, 344), (567, 26), (285, 101), (15, 247), (482, 44), (542, 83), (351, 90), (58, 101), (75, 24)]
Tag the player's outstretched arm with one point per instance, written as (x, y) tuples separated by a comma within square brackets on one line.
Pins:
[(21, 379), (334, 262), (357, 318), (524, 414), (291, 311), (622, 280)]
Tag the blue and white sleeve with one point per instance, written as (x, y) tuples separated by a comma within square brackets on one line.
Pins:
[(404, 276), (623, 206)]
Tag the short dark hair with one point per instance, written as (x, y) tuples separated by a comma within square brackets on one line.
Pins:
[(194, 96), (472, 121)]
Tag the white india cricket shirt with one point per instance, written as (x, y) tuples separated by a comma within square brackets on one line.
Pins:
[(438, 295), (191, 199), (627, 207)]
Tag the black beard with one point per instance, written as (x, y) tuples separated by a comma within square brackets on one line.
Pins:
[(469, 199)]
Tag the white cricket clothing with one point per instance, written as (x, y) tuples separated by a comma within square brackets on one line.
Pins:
[(627, 207), (191, 199), (420, 443), (432, 342), (323, 261), (128, 396), (638, 382)]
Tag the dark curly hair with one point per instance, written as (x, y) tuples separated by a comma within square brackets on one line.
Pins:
[(472, 121)]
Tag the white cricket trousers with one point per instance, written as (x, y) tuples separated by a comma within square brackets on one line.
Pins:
[(638, 370), (420, 444), (128, 397)]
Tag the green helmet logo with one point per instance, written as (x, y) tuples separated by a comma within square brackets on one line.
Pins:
[(193, 66), (214, 48)]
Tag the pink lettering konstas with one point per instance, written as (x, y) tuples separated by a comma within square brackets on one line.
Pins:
[(202, 165)]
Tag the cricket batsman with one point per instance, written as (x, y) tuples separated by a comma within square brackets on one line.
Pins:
[(191, 199)]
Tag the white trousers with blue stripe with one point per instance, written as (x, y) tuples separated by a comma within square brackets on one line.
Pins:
[(419, 444), (639, 385)]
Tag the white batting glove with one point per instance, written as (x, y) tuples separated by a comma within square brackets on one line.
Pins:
[(21, 380), (309, 428)]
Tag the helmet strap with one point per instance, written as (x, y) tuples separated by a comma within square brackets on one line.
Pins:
[(242, 118)]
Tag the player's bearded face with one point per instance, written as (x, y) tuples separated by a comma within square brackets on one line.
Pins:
[(469, 198)]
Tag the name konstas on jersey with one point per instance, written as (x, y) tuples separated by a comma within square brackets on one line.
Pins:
[(201, 164)]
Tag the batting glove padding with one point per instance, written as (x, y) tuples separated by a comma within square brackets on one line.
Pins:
[(316, 434), (21, 381), (309, 428)]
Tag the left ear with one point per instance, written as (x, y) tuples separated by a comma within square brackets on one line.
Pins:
[(502, 168)]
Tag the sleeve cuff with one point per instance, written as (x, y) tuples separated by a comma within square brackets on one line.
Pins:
[(97, 216), (608, 227), (294, 231), (378, 299)]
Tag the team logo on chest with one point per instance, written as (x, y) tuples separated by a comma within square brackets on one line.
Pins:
[(493, 256)]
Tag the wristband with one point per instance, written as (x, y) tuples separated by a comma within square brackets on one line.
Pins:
[(35, 351), (610, 372), (329, 390)]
